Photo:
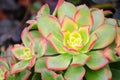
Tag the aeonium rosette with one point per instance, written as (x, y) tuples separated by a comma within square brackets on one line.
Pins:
[(33, 47), (78, 35)]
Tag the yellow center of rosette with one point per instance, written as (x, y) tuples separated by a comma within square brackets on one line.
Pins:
[(27, 53)]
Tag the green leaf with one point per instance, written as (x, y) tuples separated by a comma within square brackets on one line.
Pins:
[(90, 44), (74, 73), (44, 10), (35, 34), (39, 47), (66, 9), (40, 65), (102, 74), (49, 27), (59, 77), (106, 35), (111, 21), (20, 66), (80, 59), (68, 24), (48, 75), (98, 20), (60, 62), (50, 50), (26, 37), (97, 60), (117, 39), (85, 34), (57, 7), (24, 75), (83, 16)]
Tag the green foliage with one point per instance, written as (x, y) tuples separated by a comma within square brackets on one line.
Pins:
[(74, 43)]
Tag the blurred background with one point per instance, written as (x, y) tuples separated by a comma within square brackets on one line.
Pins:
[(15, 13)]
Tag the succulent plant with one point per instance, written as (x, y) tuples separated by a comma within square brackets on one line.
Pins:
[(74, 43)]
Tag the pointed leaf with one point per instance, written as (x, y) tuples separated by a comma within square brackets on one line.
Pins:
[(3, 62), (66, 9), (98, 20), (48, 75), (40, 65), (26, 37), (32, 24), (85, 34), (109, 54), (57, 7), (40, 47), (111, 21), (20, 66), (102, 74), (80, 59), (68, 24), (106, 35), (117, 39), (24, 75), (35, 34), (59, 77), (44, 10), (75, 73), (90, 44), (32, 62), (49, 27), (60, 62), (83, 16), (97, 60)]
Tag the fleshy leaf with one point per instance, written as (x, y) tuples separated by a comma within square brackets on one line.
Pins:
[(59, 77), (32, 24), (97, 60), (48, 75), (44, 10), (117, 49), (35, 34), (49, 27), (102, 74), (85, 34), (111, 21), (60, 62), (24, 75), (57, 7), (40, 47), (80, 59), (74, 73), (98, 20), (117, 39), (109, 54), (19, 52), (68, 24), (90, 44), (3, 62), (20, 66), (32, 62), (26, 37), (83, 16), (106, 35), (66, 9), (40, 65)]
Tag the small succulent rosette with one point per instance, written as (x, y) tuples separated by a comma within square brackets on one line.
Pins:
[(33, 47), (5, 70), (80, 36)]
